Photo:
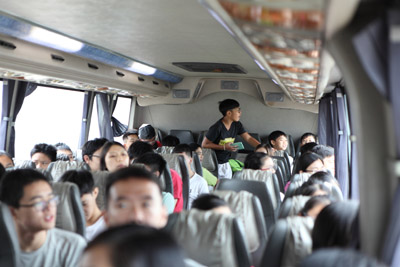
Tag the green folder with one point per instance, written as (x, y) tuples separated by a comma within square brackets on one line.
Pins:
[(238, 145)]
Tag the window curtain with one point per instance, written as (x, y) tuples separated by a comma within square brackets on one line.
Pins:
[(86, 116), (12, 91)]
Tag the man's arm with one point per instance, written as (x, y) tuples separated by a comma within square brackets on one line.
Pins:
[(249, 139), (208, 144)]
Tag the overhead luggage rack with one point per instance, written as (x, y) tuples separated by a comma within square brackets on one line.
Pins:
[(285, 38)]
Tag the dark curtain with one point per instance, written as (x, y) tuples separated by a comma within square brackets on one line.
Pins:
[(325, 121), (104, 116), (22, 90), (118, 127), (87, 104)]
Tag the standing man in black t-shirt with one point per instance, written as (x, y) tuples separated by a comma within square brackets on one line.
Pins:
[(222, 134)]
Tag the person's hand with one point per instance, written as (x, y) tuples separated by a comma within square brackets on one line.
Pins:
[(230, 147)]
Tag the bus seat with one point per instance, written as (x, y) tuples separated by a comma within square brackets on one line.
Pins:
[(258, 189), (249, 210), (297, 180), (22, 164), (59, 167), (70, 214), (166, 180), (184, 136), (290, 148), (289, 242), (177, 163), (201, 137), (269, 179), (210, 238), (292, 205), (210, 161), (165, 149), (100, 179), (281, 162), (158, 134), (280, 177), (196, 164), (9, 244)]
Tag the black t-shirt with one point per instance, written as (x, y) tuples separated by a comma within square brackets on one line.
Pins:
[(219, 135)]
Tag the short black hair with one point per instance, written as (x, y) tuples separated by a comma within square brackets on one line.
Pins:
[(13, 184), (228, 104), (83, 179), (309, 188), (170, 140), (307, 135), (2, 172), (321, 177), (104, 152), (139, 148), (8, 155), (194, 146), (306, 160), (128, 133), (323, 151), (134, 173), (154, 161), (183, 148), (92, 146), (308, 147), (49, 150), (208, 202), (274, 135), (312, 202), (255, 160)]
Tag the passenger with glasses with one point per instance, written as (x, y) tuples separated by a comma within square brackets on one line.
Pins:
[(42, 155), (91, 151), (33, 206)]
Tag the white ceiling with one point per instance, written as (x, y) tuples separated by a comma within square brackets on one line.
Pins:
[(156, 32)]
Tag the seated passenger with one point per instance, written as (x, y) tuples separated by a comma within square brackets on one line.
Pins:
[(328, 154), (308, 138), (307, 147), (310, 188), (130, 137), (314, 206), (310, 163), (170, 140), (211, 202), (33, 206), (259, 161), (6, 159), (64, 150), (278, 140), (94, 217), (132, 245), (42, 155), (156, 165), (197, 184), (134, 195), (325, 178), (91, 151), (210, 178), (137, 149), (265, 148), (113, 157), (148, 134)]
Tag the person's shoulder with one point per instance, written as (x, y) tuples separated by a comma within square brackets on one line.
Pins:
[(67, 237), (217, 124)]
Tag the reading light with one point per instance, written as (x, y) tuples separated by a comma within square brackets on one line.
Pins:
[(53, 40)]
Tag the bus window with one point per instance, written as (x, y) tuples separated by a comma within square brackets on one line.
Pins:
[(121, 113), (49, 116), (94, 130)]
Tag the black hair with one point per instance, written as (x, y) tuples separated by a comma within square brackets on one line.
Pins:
[(307, 135), (183, 148), (130, 132), (170, 140), (314, 201), (255, 160), (307, 147), (154, 161), (309, 188), (137, 245), (227, 104), (333, 226), (49, 150), (321, 177), (13, 184), (2, 172), (8, 155), (134, 173), (139, 148), (194, 146), (323, 151), (62, 146), (306, 160), (104, 152), (92, 146), (208, 202), (83, 179), (274, 135)]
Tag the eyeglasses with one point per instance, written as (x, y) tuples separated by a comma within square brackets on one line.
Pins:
[(42, 205), (96, 156)]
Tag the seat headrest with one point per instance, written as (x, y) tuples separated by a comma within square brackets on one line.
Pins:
[(9, 244), (165, 149), (209, 159), (59, 167), (100, 179), (173, 162), (207, 237), (297, 204), (22, 164), (241, 204)]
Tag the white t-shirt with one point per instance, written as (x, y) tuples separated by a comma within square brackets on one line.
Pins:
[(197, 186), (93, 230)]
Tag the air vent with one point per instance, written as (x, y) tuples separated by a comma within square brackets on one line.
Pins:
[(92, 66), (155, 83), (140, 79), (181, 93), (230, 85), (166, 85), (274, 97), (210, 67), (120, 74), (7, 45), (57, 58)]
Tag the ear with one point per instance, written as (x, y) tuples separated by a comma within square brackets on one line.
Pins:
[(86, 158), (273, 143), (13, 211), (95, 192)]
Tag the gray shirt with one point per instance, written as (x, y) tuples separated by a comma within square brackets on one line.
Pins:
[(61, 248)]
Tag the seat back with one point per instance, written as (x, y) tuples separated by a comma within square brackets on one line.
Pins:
[(281, 163), (166, 180), (9, 244), (210, 161), (281, 179), (100, 180), (165, 149), (247, 147), (296, 181), (201, 137), (59, 167), (292, 206), (275, 246), (184, 136), (248, 209), (269, 179), (70, 214), (210, 238), (196, 164), (22, 164), (177, 163), (290, 148), (258, 189)]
